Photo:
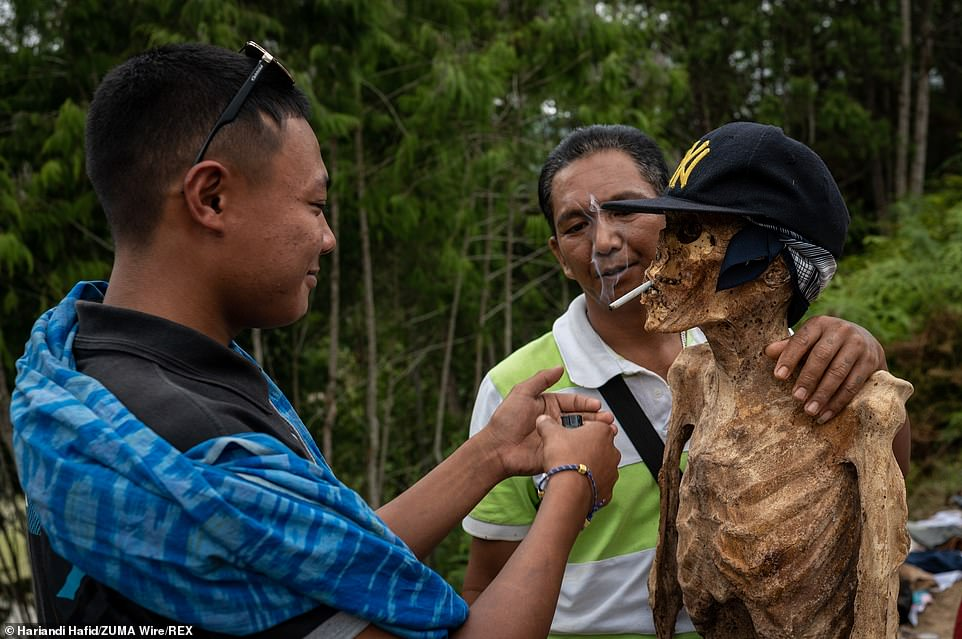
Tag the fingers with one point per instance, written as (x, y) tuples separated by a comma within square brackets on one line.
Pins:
[(510, 431), (539, 382), (554, 403), (824, 369), (567, 445), (791, 351), (544, 424), (774, 350), (603, 417), (592, 445), (844, 378), (572, 402), (838, 359), (600, 416), (576, 420)]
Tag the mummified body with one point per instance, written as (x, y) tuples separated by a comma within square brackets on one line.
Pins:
[(780, 527)]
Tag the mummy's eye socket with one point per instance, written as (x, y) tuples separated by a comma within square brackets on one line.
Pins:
[(688, 230)]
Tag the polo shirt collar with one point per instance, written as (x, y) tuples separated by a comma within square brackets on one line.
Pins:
[(589, 361)]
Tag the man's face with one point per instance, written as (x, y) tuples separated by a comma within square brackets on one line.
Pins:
[(280, 233), (606, 252), (685, 272)]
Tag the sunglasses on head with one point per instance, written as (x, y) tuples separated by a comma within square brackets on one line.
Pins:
[(264, 60)]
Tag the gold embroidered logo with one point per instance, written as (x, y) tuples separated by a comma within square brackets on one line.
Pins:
[(695, 154)]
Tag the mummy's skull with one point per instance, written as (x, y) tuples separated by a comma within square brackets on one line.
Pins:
[(685, 271)]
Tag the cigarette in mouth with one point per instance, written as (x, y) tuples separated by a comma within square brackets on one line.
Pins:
[(630, 295)]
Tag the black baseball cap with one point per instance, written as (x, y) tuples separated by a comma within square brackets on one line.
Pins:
[(755, 170)]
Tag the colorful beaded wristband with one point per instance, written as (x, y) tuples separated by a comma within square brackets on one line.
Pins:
[(582, 470)]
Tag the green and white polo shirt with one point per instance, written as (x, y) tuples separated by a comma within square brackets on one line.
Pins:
[(605, 587)]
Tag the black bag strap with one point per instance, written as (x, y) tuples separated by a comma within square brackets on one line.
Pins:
[(635, 423)]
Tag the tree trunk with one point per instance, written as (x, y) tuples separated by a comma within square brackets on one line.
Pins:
[(921, 128), (508, 281), (257, 343), (880, 177), (298, 332), (810, 106), (879, 191), (386, 429), (334, 324), (373, 423), (12, 529), (6, 428), (488, 232), (448, 350), (9, 482), (699, 90), (905, 102)]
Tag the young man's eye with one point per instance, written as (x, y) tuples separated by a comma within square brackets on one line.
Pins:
[(320, 206)]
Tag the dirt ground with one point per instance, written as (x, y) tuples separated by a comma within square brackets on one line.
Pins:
[(938, 618)]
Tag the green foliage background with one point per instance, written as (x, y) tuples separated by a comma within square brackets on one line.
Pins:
[(434, 118)]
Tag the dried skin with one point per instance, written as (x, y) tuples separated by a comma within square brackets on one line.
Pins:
[(781, 527)]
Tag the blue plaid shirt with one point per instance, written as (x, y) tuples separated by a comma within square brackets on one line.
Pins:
[(237, 534)]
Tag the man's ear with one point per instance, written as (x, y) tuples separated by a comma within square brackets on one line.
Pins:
[(777, 274), (204, 193), (553, 245)]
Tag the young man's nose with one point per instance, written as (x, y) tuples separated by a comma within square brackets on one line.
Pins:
[(328, 241)]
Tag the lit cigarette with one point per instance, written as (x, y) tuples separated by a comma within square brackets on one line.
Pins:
[(630, 295)]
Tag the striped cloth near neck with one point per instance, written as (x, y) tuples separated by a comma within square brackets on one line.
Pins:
[(757, 244), (814, 266), (236, 535)]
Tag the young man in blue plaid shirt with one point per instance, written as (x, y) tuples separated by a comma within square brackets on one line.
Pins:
[(168, 479)]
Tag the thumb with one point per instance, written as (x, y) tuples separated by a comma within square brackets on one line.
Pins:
[(540, 381), (544, 423)]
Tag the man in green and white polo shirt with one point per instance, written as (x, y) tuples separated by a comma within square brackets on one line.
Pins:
[(605, 588)]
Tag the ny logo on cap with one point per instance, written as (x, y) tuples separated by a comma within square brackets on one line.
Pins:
[(695, 154)]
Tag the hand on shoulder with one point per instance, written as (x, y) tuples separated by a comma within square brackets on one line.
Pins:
[(836, 359)]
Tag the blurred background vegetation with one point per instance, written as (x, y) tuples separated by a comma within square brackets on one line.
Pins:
[(434, 117)]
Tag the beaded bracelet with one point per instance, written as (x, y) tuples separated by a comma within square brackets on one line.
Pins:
[(582, 470)]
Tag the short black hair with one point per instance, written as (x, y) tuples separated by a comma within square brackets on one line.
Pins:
[(149, 117), (587, 140)]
